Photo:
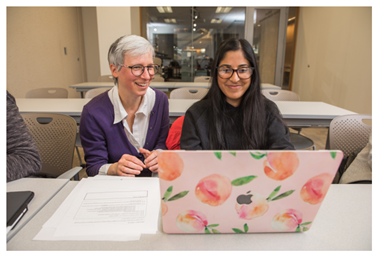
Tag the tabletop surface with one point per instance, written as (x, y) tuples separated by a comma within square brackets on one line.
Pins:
[(44, 190), (344, 222), (177, 107)]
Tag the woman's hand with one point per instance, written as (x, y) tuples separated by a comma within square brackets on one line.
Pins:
[(128, 165), (150, 159)]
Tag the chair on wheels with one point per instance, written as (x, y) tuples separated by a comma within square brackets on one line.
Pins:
[(188, 93), (350, 134), (280, 95), (105, 78), (297, 139), (202, 79), (55, 136), (48, 92), (91, 93)]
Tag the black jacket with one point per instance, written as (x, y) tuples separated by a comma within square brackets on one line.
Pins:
[(195, 131)]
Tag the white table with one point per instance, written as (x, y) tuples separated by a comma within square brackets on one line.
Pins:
[(163, 86), (44, 189), (344, 222), (295, 113)]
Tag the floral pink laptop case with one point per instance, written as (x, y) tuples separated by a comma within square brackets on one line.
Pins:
[(243, 191)]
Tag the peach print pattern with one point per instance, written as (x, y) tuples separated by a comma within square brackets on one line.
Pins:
[(243, 192)]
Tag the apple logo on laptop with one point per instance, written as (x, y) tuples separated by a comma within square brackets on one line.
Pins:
[(245, 198)]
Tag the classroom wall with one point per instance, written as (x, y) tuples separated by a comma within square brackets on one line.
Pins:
[(112, 23), (98, 39), (333, 60), (36, 42), (91, 43)]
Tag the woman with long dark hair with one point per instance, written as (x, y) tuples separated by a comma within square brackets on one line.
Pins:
[(234, 115)]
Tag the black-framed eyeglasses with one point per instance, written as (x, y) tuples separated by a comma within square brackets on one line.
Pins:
[(226, 72), (138, 70)]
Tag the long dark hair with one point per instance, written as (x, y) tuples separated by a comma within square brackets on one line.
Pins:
[(252, 109)]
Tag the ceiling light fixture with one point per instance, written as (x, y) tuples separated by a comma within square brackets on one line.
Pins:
[(216, 20), (164, 9), (170, 20), (223, 9)]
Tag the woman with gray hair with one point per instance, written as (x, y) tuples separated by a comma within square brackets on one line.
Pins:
[(121, 129)]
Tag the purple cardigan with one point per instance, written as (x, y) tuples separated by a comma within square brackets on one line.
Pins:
[(103, 142)]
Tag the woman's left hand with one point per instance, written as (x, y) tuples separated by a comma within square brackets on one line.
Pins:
[(150, 159)]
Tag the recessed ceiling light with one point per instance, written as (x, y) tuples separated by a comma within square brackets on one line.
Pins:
[(223, 9), (164, 9), (170, 20), (216, 20), (227, 9)]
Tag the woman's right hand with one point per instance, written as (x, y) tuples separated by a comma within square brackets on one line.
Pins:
[(128, 165)]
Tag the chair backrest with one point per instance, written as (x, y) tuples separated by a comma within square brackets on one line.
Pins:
[(95, 92), (158, 78), (106, 78), (55, 137), (202, 79), (188, 93), (48, 92), (349, 133), (280, 95)]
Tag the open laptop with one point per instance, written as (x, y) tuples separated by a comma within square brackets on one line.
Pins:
[(243, 191)]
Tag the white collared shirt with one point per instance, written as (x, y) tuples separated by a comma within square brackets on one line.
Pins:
[(141, 120)]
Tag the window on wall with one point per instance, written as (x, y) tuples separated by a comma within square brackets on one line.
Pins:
[(186, 38)]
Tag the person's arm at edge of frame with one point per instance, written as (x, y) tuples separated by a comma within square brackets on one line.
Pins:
[(23, 158)]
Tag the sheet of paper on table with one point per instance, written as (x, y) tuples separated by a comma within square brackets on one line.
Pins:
[(106, 208)]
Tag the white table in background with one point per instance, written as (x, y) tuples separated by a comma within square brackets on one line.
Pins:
[(344, 222), (44, 189), (295, 113), (163, 86)]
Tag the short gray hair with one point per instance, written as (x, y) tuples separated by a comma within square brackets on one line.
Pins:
[(132, 45)]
